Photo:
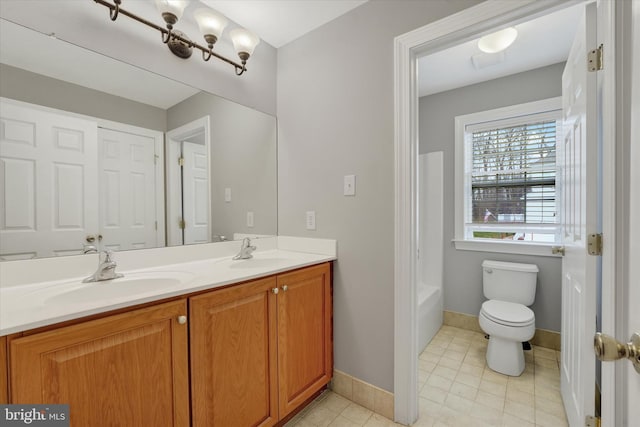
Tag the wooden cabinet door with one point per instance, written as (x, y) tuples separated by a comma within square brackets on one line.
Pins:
[(4, 378), (129, 369), (233, 356), (305, 349)]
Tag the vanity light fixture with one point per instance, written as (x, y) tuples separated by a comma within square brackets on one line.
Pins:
[(211, 26), (498, 41)]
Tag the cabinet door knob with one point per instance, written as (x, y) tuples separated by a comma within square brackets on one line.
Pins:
[(275, 290), (182, 320), (285, 288)]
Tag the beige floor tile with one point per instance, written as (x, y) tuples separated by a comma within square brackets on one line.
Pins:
[(460, 346), (547, 363), (490, 400), (473, 370), (341, 421), (463, 390), (543, 352), (518, 396), (468, 379), (450, 363), (459, 404), (553, 407), (454, 354), (377, 420), (336, 403), (426, 365), (430, 357), (320, 416), (493, 388), (439, 382), (356, 413), (494, 377), (437, 350), (526, 386), (444, 371), (547, 420), (433, 394), (487, 414), (523, 411), (509, 420)]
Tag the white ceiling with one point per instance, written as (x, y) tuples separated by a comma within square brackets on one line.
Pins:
[(279, 22), (542, 41)]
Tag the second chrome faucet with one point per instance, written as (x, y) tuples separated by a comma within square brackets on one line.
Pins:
[(245, 250)]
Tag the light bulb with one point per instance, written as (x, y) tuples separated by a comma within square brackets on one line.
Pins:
[(210, 23), (244, 42), (498, 41), (173, 7)]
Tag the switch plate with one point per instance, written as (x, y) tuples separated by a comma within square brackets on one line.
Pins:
[(227, 194), (349, 185), (311, 220), (249, 219)]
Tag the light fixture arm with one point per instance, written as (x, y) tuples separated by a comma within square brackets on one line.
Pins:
[(167, 34)]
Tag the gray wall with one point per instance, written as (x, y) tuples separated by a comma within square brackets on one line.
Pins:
[(463, 285), (335, 117), (26, 86), (87, 24), (243, 158)]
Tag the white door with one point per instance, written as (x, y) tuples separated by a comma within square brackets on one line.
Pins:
[(127, 190), (578, 166), (48, 182), (195, 190), (632, 414)]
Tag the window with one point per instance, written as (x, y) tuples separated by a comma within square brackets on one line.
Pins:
[(506, 181)]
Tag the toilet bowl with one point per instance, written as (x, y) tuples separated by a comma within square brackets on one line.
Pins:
[(505, 317), (508, 325)]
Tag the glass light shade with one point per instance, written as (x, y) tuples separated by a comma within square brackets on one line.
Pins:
[(175, 7), (498, 41), (210, 22), (243, 40)]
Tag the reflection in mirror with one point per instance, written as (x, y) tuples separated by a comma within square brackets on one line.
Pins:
[(97, 154)]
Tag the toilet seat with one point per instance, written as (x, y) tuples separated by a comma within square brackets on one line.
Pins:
[(508, 313)]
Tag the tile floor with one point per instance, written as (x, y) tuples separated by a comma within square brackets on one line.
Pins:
[(457, 389)]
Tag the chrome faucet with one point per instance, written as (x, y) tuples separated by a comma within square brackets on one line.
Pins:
[(245, 249), (106, 270)]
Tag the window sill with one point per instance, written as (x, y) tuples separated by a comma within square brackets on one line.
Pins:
[(537, 249)]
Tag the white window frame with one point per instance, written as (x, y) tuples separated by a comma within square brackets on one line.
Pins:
[(460, 189)]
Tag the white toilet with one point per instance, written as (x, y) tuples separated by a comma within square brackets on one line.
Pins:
[(505, 317)]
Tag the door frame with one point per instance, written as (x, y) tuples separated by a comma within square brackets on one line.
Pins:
[(173, 183), (457, 28)]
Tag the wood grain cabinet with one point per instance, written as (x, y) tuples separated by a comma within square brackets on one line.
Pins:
[(261, 349), (4, 374), (128, 369)]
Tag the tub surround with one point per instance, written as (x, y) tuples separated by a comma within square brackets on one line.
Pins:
[(26, 287)]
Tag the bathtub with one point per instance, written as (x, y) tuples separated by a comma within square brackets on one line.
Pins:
[(429, 313)]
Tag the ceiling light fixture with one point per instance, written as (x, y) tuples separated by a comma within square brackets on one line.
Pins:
[(498, 41), (211, 26)]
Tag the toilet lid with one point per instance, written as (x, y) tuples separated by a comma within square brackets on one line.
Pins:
[(508, 313)]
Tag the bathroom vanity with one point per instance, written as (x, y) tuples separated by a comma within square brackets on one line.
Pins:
[(249, 348)]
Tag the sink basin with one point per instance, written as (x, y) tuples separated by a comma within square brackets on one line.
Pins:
[(128, 286)]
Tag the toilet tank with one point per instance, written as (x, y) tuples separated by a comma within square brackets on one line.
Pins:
[(509, 281)]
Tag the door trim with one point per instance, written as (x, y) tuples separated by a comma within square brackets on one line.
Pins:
[(407, 47)]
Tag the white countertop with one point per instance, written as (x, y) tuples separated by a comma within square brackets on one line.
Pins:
[(26, 306)]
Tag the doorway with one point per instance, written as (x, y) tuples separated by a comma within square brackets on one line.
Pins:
[(188, 184), (434, 37)]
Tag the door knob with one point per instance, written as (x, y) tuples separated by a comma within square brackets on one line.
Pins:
[(285, 288), (275, 290), (608, 348), (182, 320)]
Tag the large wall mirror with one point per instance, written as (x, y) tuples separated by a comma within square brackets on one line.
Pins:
[(98, 154)]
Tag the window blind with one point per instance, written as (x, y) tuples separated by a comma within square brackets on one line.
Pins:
[(513, 174)]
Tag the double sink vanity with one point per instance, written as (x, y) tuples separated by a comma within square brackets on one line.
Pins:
[(188, 336)]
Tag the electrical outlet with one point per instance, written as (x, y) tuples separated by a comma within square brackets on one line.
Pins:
[(349, 185), (249, 219), (311, 220)]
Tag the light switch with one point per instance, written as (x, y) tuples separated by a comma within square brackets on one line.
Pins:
[(227, 195), (349, 185), (249, 219), (311, 220)]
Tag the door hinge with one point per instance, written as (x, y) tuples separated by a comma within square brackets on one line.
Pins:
[(182, 224), (594, 244), (181, 161), (594, 59), (592, 421)]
